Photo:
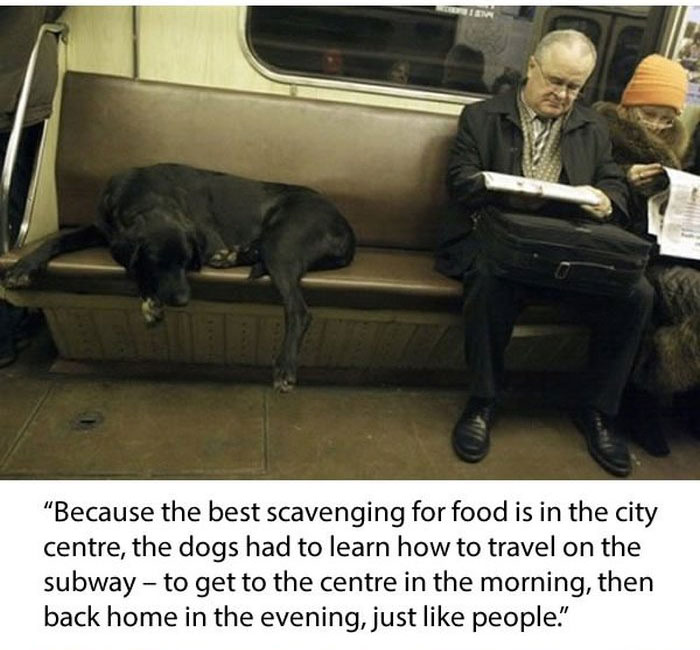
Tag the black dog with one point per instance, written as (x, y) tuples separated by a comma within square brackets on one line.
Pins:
[(164, 220)]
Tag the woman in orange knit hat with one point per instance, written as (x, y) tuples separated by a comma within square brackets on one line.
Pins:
[(646, 135)]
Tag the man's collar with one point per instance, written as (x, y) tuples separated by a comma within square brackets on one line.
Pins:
[(506, 103), (528, 109)]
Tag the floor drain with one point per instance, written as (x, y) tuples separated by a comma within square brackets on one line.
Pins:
[(87, 420)]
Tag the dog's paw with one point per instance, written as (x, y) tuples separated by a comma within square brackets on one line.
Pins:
[(283, 381), (18, 277), (224, 258), (152, 311)]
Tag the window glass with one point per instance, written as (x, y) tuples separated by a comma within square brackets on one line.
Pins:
[(688, 53), (475, 50), (623, 62), (589, 27)]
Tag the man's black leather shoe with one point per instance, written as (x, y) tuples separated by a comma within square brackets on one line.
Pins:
[(607, 447), (470, 437)]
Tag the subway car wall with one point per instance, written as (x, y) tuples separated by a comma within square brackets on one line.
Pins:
[(410, 58)]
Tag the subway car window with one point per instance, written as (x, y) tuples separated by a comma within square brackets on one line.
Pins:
[(625, 57), (589, 26), (622, 36), (475, 50)]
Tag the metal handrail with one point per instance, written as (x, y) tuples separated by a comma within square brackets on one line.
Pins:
[(15, 134)]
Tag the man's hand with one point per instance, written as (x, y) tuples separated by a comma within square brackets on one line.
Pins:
[(601, 210)]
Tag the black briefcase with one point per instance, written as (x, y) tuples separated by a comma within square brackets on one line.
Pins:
[(574, 254)]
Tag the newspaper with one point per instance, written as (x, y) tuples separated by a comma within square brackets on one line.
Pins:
[(674, 215), (541, 189)]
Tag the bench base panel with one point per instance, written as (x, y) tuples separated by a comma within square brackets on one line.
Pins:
[(377, 342)]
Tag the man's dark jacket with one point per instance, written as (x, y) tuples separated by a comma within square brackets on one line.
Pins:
[(490, 139)]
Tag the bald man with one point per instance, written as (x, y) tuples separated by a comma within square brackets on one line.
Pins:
[(537, 130)]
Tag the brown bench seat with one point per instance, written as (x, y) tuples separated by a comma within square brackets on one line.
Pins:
[(377, 279), (384, 168)]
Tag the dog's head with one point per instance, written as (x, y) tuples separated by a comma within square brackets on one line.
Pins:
[(157, 253)]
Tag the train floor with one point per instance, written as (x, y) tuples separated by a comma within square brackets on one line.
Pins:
[(116, 425)]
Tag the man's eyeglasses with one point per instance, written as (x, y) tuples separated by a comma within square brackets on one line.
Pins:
[(558, 85)]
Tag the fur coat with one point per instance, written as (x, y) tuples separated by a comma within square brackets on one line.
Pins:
[(669, 358)]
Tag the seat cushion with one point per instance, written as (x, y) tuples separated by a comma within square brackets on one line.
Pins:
[(377, 279)]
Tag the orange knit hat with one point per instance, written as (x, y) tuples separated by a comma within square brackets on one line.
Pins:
[(657, 81)]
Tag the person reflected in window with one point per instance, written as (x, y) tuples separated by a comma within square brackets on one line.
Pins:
[(505, 81), (464, 70), (647, 135), (332, 62), (538, 130), (19, 28), (399, 72)]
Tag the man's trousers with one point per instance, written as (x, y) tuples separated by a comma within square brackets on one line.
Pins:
[(492, 304)]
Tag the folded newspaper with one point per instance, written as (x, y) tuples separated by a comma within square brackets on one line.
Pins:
[(498, 182), (674, 215)]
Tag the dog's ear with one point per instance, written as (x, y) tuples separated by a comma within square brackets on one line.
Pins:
[(197, 245), (125, 251)]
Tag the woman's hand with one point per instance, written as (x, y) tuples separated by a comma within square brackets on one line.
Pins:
[(643, 177)]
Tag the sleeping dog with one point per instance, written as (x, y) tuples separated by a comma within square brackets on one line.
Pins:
[(162, 221)]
